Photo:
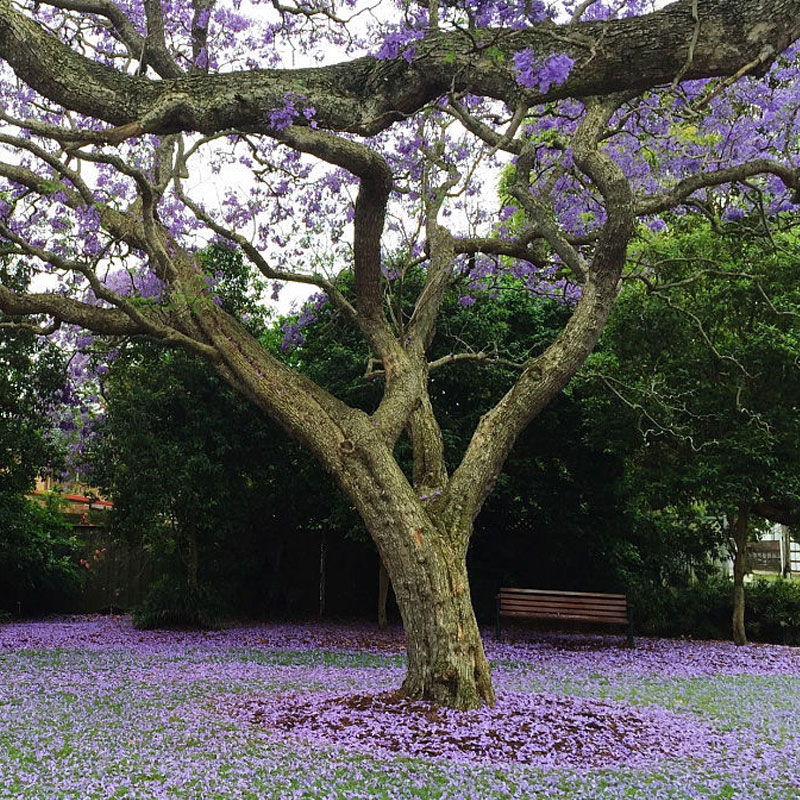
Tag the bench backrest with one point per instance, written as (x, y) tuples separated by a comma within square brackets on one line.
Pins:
[(544, 604)]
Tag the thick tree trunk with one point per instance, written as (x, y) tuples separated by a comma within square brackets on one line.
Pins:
[(740, 534), (446, 660)]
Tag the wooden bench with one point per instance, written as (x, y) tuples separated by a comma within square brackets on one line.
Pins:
[(610, 609)]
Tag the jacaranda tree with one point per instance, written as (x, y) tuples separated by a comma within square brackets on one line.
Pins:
[(315, 133)]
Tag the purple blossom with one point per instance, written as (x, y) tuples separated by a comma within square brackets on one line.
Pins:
[(541, 75), (525, 67), (201, 62), (554, 70), (399, 43), (202, 17), (733, 213), (281, 118), (292, 336)]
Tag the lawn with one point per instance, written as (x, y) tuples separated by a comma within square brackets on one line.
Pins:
[(92, 708)]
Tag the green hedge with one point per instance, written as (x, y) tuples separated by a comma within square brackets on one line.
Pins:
[(39, 558), (703, 610)]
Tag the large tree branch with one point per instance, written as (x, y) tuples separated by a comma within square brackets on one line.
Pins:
[(520, 248), (655, 204), (775, 509), (109, 321), (366, 95), (547, 374)]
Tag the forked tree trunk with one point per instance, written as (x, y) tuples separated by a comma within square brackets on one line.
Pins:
[(741, 527)]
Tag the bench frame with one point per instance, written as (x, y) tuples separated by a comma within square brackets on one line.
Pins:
[(590, 607)]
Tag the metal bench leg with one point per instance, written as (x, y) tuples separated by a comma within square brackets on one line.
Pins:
[(497, 633)]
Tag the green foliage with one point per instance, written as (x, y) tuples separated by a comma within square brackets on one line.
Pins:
[(773, 610), (187, 463), (29, 377), (235, 285), (173, 603), (702, 609), (667, 546), (38, 556), (620, 483), (698, 368), (694, 385), (697, 609)]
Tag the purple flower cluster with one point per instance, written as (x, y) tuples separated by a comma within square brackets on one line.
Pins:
[(293, 336), (294, 107), (534, 73), (399, 43)]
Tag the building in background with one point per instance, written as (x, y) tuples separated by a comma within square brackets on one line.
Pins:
[(775, 554)]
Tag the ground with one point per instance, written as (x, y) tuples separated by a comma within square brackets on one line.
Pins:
[(92, 708)]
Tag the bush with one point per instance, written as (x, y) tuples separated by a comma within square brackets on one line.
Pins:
[(171, 602), (39, 557), (773, 611), (703, 610)]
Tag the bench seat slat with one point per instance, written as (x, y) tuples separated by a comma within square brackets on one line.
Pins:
[(572, 617), (568, 602), (562, 612), (602, 595), (565, 603), (533, 607)]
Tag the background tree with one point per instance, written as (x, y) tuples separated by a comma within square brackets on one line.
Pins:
[(38, 554), (197, 482), (699, 368), (113, 107)]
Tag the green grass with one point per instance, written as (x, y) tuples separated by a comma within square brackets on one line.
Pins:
[(137, 723)]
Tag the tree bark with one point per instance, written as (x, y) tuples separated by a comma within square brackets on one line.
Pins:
[(383, 594), (446, 660), (740, 530)]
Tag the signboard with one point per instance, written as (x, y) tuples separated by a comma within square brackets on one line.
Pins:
[(765, 556)]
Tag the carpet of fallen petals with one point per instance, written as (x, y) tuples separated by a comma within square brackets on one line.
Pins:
[(91, 708), (540, 729)]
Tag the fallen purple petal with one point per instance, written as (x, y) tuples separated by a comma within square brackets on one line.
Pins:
[(91, 708)]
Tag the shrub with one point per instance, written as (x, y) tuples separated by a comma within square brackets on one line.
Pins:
[(773, 611), (39, 557), (171, 602), (703, 610)]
